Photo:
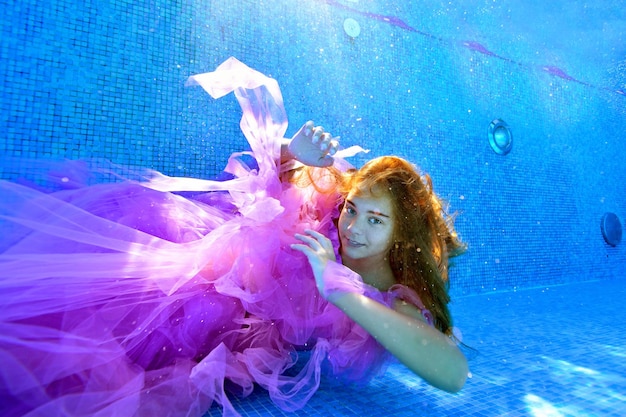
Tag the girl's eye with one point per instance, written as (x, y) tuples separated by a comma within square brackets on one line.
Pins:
[(350, 210), (375, 220)]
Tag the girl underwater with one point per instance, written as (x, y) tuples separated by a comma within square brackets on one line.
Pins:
[(133, 298)]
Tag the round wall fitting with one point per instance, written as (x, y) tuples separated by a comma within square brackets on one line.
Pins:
[(352, 27), (611, 229), (500, 137)]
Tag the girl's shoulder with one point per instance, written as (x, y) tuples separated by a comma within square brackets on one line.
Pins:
[(406, 301)]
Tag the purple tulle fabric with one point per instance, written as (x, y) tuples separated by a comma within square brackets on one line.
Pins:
[(127, 299), (339, 279)]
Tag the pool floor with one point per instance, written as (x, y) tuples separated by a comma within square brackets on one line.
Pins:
[(558, 351)]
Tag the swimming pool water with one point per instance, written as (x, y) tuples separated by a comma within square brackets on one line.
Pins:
[(106, 80), (423, 80)]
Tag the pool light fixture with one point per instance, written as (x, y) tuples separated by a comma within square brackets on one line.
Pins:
[(611, 229), (352, 27), (500, 137)]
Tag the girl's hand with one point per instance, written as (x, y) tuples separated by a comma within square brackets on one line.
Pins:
[(319, 251), (312, 146)]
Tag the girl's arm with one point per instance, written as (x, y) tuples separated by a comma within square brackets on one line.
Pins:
[(420, 347), (402, 330)]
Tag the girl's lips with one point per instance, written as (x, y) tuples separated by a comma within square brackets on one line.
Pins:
[(354, 244)]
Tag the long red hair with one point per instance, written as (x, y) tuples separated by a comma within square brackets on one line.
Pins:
[(424, 237)]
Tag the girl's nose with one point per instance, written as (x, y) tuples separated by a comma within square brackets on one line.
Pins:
[(353, 226)]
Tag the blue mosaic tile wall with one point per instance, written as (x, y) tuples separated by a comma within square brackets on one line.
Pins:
[(105, 79)]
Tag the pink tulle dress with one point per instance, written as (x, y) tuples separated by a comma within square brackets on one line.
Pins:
[(128, 299)]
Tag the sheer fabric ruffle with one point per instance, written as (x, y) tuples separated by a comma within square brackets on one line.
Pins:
[(128, 299)]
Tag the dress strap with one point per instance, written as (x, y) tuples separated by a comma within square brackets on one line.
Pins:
[(404, 293)]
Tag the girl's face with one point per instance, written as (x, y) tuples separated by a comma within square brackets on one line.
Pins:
[(366, 226)]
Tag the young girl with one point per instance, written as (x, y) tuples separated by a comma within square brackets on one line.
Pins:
[(393, 237), (129, 299)]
